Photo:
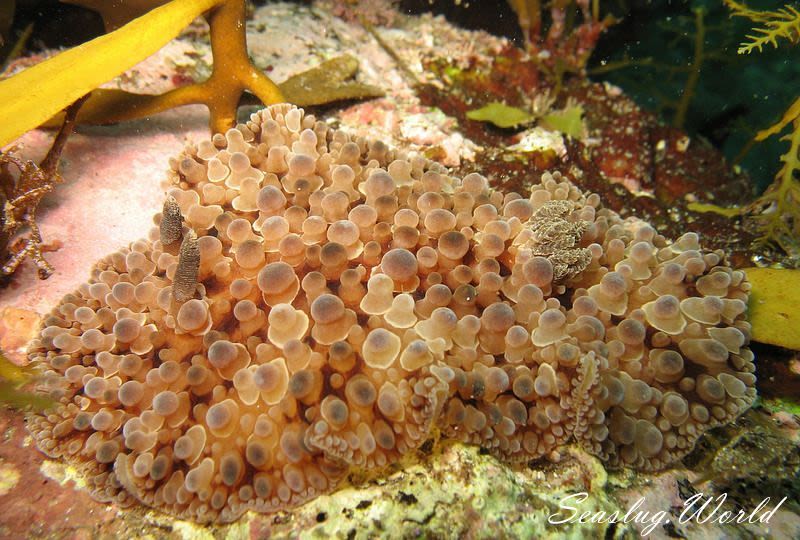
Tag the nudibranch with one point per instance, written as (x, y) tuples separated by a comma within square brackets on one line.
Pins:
[(309, 302)]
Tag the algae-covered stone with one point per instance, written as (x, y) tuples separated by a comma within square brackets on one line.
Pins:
[(333, 80), (9, 476), (455, 492)]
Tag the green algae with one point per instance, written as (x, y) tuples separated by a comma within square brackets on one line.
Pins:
[(12, 379), (568, 121), (782, 404), (501, 115)]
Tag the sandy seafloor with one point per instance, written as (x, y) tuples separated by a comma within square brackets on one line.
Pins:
[(114, 186)]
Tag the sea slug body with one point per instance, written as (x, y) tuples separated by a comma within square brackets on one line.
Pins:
[(333, 300)]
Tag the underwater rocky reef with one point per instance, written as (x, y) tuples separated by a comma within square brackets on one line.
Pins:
[(329, 303), (388, 316)]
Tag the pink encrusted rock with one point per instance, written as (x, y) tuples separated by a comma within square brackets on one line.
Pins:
[(112, 189)]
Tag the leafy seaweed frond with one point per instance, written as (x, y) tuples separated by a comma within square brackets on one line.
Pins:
[(777, 210), (783, 23), (568, 120), (779, 206)]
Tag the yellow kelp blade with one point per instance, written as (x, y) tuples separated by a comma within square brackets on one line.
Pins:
[(29, 98), (774, 307), (333, 80)]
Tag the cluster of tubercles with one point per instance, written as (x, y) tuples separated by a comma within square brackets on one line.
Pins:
[(309, 302)]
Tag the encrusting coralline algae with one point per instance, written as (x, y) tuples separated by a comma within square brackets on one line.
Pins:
[(310, 302)]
